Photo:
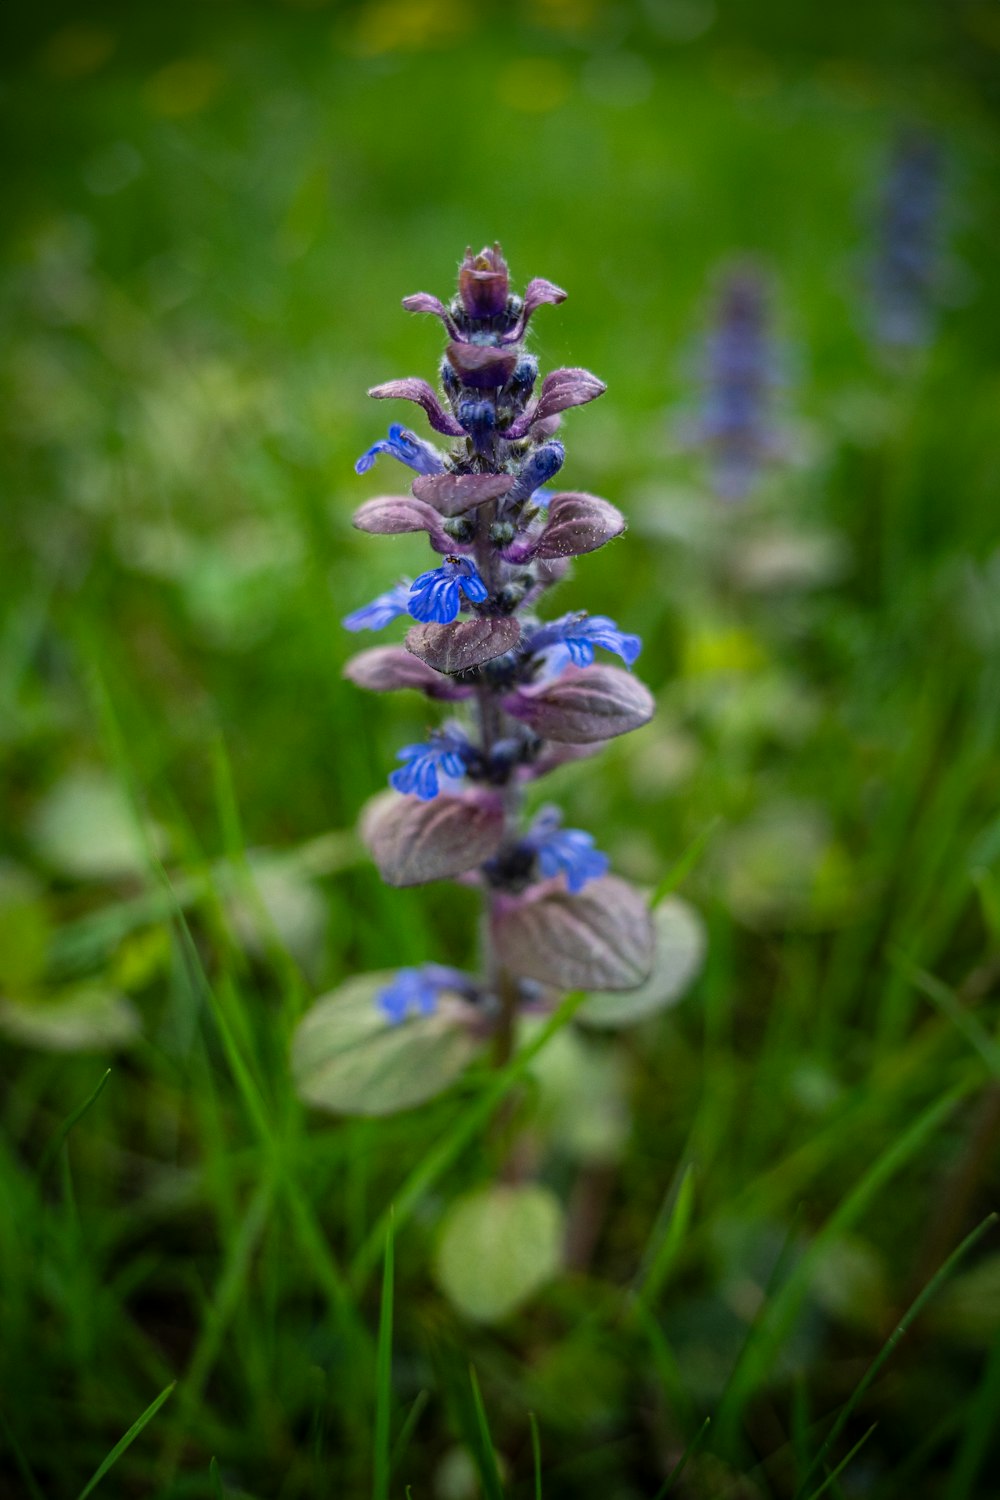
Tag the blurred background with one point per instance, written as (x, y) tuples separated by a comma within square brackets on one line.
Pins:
[(778, 227)]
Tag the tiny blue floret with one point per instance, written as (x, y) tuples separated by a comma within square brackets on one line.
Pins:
[(442, 755), (579, 633), (434, 596), (412, 992), (566, 851), (381, 611), (407, 448)]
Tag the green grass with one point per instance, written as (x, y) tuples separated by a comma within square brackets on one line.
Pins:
[(211, 217)]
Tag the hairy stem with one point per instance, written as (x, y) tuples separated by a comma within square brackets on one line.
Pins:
[(491, 728)]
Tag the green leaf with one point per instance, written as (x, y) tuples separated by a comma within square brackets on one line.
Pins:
[(24, 928), (497, 1246), (347, 1058), (383, 1379), (680, 953), (85, 828), (583, 1096), (84, 1019), (127, 1440)]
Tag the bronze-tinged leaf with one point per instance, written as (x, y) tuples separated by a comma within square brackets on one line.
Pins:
[(481, 366), (463, 643), (452, 494), (578, 523), (584, 704), (413, 842), (601, 939), (391, 515), (386, 669)]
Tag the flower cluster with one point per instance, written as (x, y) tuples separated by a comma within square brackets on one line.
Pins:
[(534, 692), (740, 373), (906, 269)]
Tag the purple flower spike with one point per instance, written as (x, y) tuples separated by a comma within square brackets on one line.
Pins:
[(381, 611), (574, 637), (565, 851), (412, 389), (435, 595), (443, 755)]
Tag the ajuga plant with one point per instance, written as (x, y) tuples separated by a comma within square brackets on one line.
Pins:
[(906, 268), (740, 372), (522, 694)]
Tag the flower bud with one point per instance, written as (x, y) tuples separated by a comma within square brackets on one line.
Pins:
[(413, 842), (481, 366), (464, 643), (484, 283), (584, 704), (601, 938)]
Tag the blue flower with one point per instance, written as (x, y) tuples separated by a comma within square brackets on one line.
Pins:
[(543, 464), (415, 992), (381, 611), (566, 851), (579, 633), (443, 755), (405, 446), (412, 992), (435, 594)]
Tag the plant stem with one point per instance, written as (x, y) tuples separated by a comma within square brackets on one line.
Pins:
[(491, 726)]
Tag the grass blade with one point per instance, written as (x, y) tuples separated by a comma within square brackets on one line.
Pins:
[(832, 1477), (666, 1239), (413, 1416), (912, 1312), (215, 1479), (55, 1145), (34, 1489), (683, 866), (127, 1440), (682, 1462), (383, 1377), (489, 1470), (536, 1454), (780, 1313)]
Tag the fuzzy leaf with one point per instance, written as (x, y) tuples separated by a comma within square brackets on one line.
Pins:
[(497, 1247), (452, 494), (411, 388), (599, 939), (385, 669), (464, 643), (560, 390), (413, 842), (578, 523), (584, 704), (680, 953), (348, 1059), (391, 515)]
